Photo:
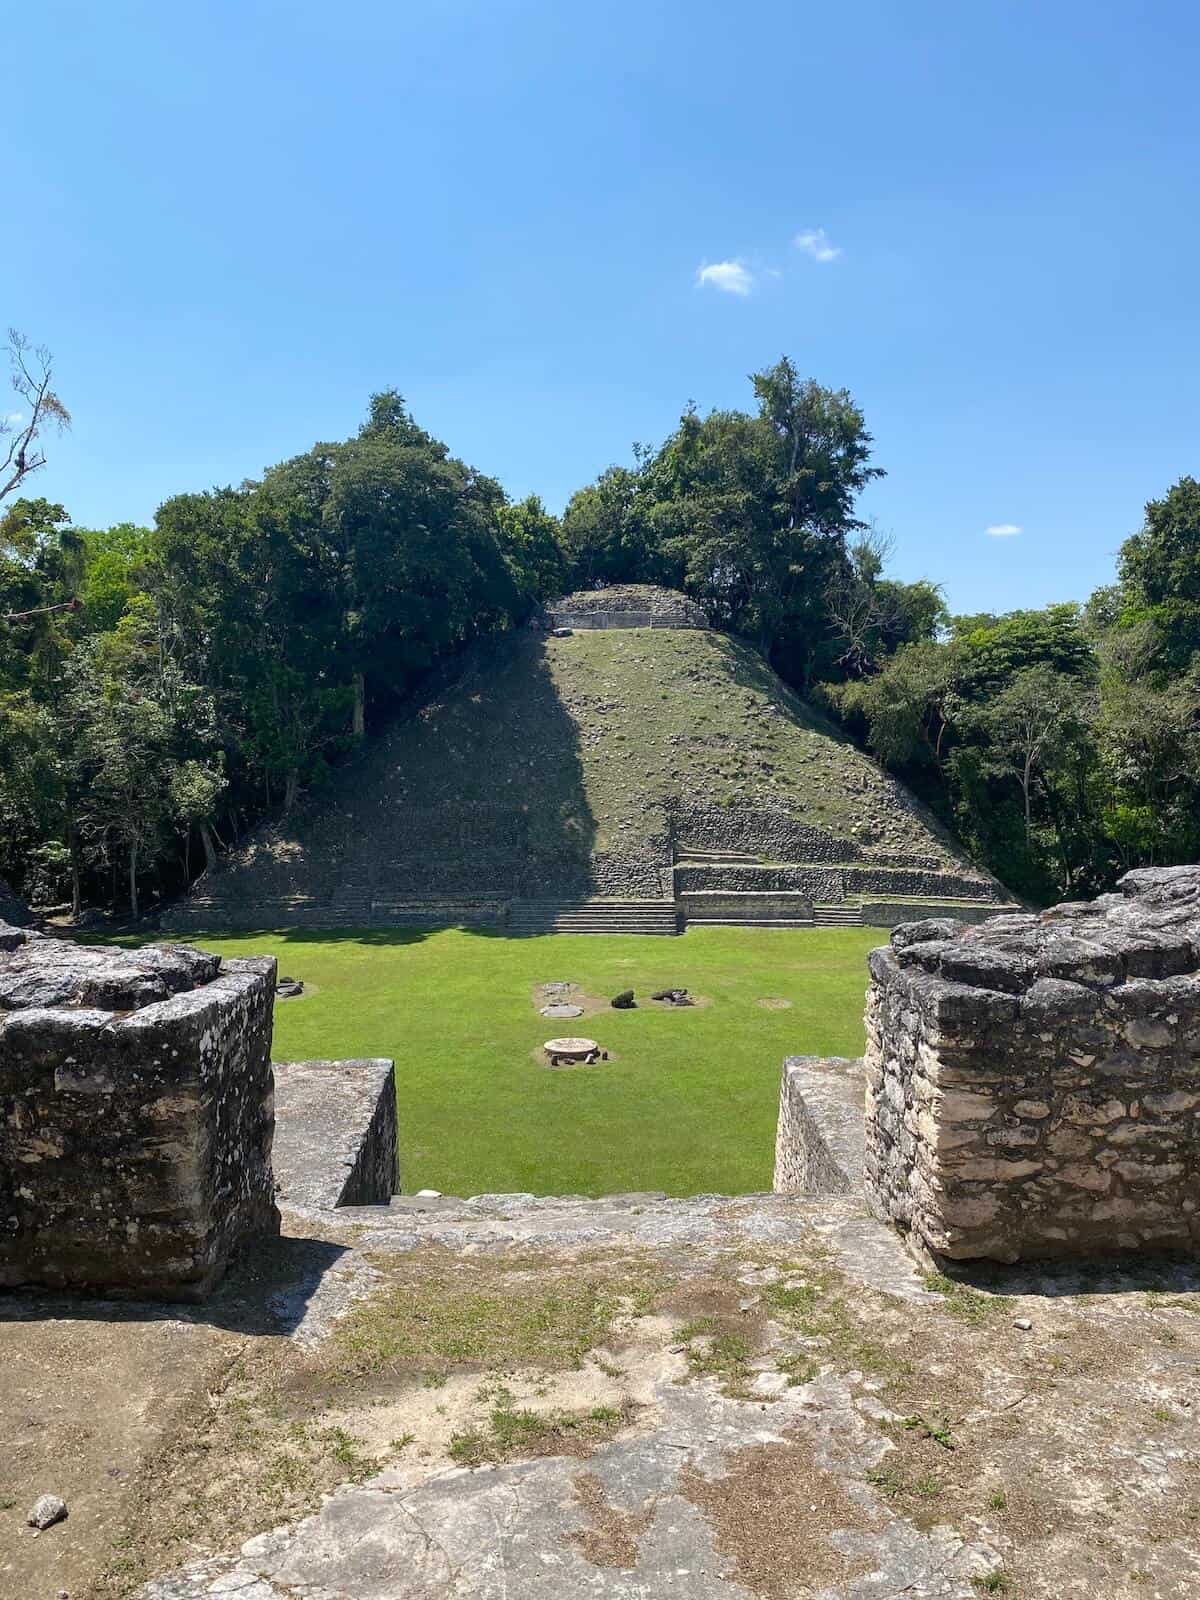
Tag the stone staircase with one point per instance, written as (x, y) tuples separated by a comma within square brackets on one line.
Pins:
[(349, 909), (847, 914), (593, 916)]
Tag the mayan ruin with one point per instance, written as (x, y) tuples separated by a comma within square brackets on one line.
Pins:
[(600, 803)]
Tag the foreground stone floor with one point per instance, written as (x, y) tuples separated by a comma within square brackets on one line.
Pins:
[(638, 1397)]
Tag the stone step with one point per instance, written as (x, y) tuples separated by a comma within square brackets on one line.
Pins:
[(593, 916), (747, 922), (838, 916), (720, 858)]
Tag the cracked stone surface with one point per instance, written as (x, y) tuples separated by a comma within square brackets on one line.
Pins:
[(506, 1532), (641, 1515)]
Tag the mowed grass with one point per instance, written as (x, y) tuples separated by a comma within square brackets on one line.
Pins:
[(687, 1105)]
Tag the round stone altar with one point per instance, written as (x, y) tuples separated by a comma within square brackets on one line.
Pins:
[(569, 1049)]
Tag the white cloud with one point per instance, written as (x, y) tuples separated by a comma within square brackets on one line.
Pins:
[(13, 417), (733, 277), (815, 243), (1002, 530)]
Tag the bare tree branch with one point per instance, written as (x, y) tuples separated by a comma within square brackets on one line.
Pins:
[(20, 433)]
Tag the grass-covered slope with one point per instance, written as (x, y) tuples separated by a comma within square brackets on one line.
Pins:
[(559, 751), (699, 717)]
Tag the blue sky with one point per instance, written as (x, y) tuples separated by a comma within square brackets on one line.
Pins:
[(232, 221)]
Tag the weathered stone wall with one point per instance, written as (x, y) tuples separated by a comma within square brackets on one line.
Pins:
[(891, 913), (637, 872), (888, 881), (747, 830), (1033, 1083), (135, 1115), (735, 906), (461, 865), (819, 1136), (830, 885), (823, 884), (628, 605)]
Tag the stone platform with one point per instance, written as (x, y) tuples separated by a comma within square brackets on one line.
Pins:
[(819, 1138), (335, 1134), (1034, 1082), (805, 1473), (135, 1115)]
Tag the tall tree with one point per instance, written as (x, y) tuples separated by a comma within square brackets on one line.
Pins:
[(757, 510), (22, 434), (1160, 573)]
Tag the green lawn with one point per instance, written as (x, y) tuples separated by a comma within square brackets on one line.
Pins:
[(687, 1106)]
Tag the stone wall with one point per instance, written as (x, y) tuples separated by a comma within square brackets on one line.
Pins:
[(819, 1136), (135, 1115), (627, 605), (891, 913), (907, 881), (823, 884), (755, 831), (830, 885), (1033, 1083), (708, 904)]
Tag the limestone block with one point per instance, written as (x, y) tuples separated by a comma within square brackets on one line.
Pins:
[(135, 1116), (1048, 1067)]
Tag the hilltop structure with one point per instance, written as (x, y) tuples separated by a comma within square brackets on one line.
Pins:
[(616, 766)]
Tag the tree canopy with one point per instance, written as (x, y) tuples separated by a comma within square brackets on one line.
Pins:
[(162, 688)]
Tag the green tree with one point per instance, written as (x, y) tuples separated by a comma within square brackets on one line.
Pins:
[(606, 534), (1024, 728), (1160, 573), (531, 539)]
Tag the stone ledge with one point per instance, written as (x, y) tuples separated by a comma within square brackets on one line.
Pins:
[(819, 1143), (335, 1134), (1150, 930)]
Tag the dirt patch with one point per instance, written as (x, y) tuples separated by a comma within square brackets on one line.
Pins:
[(774, 1002), (613, 1538), (543, 994), (239, 1459), (772, 1514), (453, 1360), (438, 1313), (719, 1331), (89, 1394)]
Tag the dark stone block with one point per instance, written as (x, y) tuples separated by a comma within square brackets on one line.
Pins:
[(135, 1135)]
